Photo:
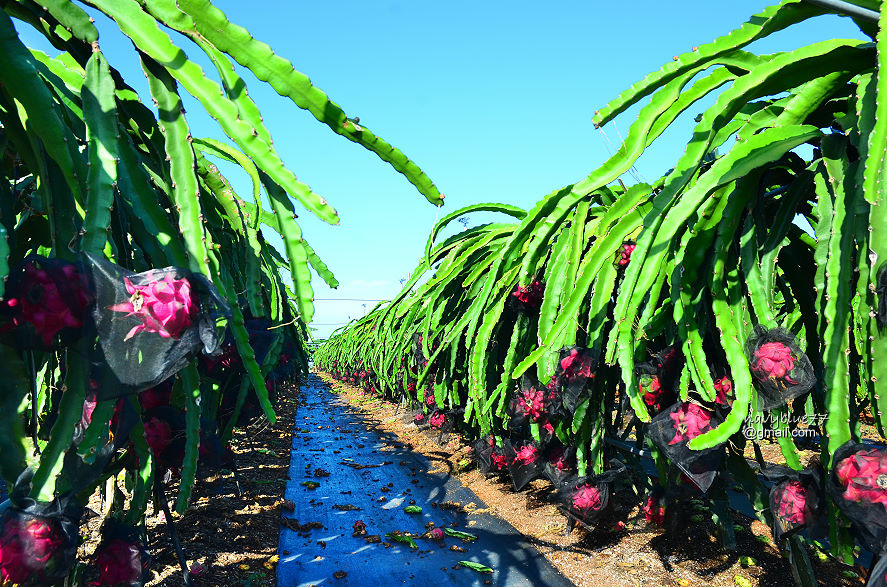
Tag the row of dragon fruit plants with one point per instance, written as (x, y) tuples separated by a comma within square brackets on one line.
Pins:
[(143, 315), (692, 318)]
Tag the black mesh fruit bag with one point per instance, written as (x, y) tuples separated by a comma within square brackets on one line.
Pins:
[(416, 346), (531, 402), (46, 303), (420, 419), (576, 362), (444, 422), (584, 499), (669, 362), (121, 559), (650, 387), (673, 429), (483, 453), (261, 337), (490, 457), (438, 420), (878, 574), (38, 540), (165, 433), (559, 464), (525, 462), (796, 499), (575, 370), (150, 324), (780, 369), (114, 434), (527, 299), (858, 486)]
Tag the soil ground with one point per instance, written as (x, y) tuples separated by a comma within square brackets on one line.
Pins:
[(233, 538), (639, 554), (236, 539)]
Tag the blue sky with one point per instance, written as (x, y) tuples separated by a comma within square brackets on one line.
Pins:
[(493, 100)]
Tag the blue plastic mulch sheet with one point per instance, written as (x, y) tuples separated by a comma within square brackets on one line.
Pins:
[(317, 545)]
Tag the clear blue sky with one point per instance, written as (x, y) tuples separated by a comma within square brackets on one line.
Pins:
[(493, 100)]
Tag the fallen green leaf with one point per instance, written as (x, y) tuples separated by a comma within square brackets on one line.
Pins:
[(747, 561), (476, 567), (465, 536), (849, 574), (403, 539), (412, 509), (741, 581)]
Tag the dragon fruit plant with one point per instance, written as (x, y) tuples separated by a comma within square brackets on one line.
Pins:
[(98, 175), (706, 261)]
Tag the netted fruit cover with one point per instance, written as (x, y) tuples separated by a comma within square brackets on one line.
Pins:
[(654, 506), (261, 337), (113, 435), (38, 540), (46, 304), (658, 378), (674, 428), (780, 369), (575, 370), (165, 433), (584, 499), (650, 387), (222, 363), (418, 354), (490, 457), (796, 499), (669, 362), (560, 463), (444, 421), (724, 394), (878, 574), (438, 420), (625, 251), (410, 387), (526, 299), (531, 402), (525, 462), (858, 486), (420, 419), (150, 324), (212, 454), (121, 559)]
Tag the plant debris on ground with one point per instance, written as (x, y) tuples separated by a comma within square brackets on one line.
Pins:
[(228, 540), (634, 555)]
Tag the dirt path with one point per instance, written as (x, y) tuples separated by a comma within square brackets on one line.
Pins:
[(636, 555)]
